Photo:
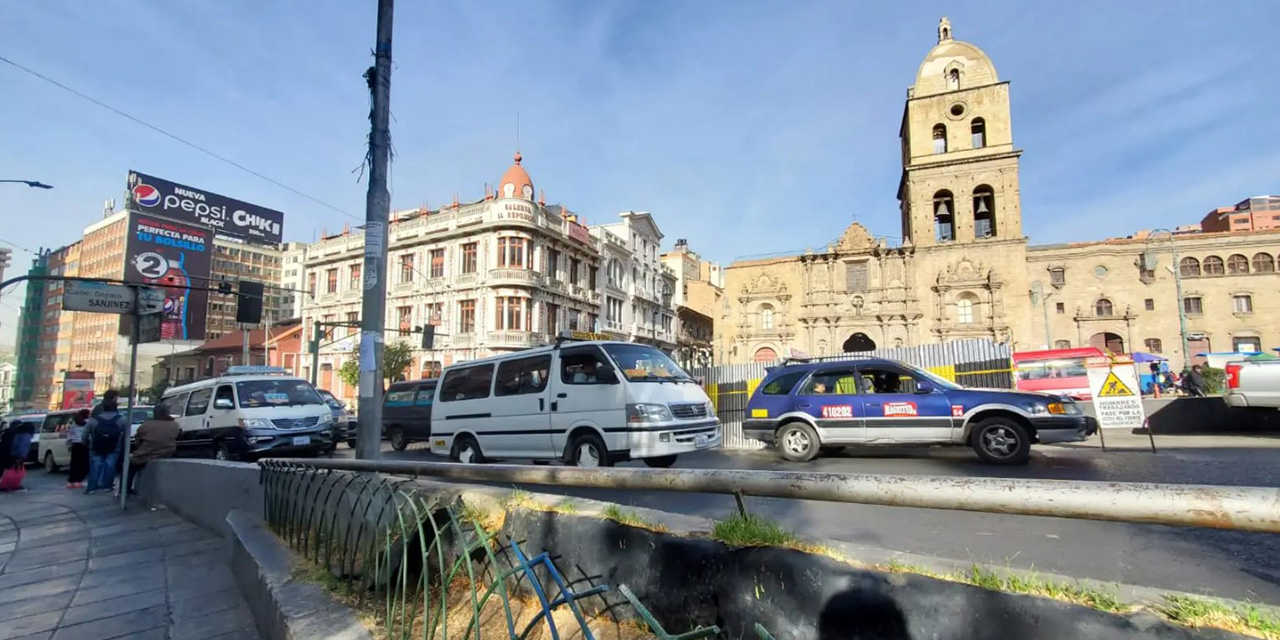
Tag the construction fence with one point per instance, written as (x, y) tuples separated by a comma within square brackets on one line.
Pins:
[(972, 363)]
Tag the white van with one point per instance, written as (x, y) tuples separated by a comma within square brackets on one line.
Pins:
[(252, 412), (588, 403)]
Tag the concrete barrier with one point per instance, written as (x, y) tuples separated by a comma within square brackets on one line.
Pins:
[(203, 491), (1202, 416)]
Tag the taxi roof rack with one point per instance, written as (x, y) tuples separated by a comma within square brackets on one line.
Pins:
[(810, 359)]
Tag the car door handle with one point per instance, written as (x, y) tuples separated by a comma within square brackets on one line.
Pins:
[(873, 404), (805, 405), (542, 404), (554, 405), (562, 395)]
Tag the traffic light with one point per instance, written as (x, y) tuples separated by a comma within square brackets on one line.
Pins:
[(428, 336), (249, 302)]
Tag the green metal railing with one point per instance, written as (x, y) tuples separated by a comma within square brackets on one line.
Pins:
[(427, 565)]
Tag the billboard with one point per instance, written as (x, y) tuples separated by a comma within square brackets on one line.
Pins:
[(175, 257), (226, 216), (77, 390)]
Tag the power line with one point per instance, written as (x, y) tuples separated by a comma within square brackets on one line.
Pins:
[(177, 138), (18, 246)]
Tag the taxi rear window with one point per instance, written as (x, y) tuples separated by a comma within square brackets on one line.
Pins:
[(783, 384)]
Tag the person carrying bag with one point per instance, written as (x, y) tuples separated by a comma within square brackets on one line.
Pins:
[(103, 436)]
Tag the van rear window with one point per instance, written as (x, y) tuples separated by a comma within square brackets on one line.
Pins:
[(467, 384)]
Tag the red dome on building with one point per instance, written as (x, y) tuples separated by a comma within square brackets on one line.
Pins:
[(515, 182)]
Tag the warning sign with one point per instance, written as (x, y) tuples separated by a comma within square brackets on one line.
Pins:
[(1115, 401), (1112, 387)]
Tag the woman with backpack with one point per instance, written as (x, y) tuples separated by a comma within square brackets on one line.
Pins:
[(103, 436)]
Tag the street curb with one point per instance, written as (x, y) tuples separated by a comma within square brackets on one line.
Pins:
[(283, 609)]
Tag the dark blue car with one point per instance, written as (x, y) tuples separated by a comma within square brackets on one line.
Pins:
[(808, 407)]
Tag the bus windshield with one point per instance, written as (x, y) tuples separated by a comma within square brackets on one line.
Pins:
[(1050, 369)]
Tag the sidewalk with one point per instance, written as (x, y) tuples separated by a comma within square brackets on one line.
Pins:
[(75, 567)]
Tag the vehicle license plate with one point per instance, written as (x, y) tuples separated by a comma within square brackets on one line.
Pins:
[(702, 441), (301, 440)]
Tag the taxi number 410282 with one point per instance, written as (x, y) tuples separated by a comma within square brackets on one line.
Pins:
[(837, 411)]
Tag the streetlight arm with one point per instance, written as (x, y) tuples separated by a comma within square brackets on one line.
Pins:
[(35, 184)]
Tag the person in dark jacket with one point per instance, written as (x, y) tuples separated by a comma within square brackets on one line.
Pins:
[(1193, 382), (157, 438), (15, 445)]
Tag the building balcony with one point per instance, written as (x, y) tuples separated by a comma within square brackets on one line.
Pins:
[(466, 279), (514, 277), (462, 340), (513, 339)]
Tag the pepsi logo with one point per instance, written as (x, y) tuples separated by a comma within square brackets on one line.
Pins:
[(146, 195)]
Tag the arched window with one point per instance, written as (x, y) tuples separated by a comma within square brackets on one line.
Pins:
[(766, 318), (953, 80), (964, 310), (1263, 263), (1153, 345), (939, 138), (765, 354), (978, 127), (984, 212), (1237, 263), (944, 207), (1189, 268), (1102, 308), (1213, 266)]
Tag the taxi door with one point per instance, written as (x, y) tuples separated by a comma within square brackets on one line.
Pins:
[(897, 409), (830, 396)]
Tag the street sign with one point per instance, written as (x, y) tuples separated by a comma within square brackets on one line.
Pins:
[(1113, 382), (98, 297), (102, 297)]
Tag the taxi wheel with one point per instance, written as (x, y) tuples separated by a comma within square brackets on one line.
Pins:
[(798, 442), (1001, 441)]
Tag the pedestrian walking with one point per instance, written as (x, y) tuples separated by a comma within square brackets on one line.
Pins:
[(103, 434), (15, 444), (75, 435), (157, 438)]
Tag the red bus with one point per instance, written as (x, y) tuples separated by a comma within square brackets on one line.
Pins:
[(1054, 371)]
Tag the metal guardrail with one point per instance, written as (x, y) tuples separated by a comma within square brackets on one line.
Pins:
[(1218, 507)]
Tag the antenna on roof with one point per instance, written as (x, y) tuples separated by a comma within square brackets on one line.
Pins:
[(517, 131)]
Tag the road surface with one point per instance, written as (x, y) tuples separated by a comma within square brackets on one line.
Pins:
[(1228, 564)]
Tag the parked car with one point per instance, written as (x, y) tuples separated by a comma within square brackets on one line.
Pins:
[(406, 412), (55, 449), (589, 403), (344, 425), (1253, 383), (807, 407), (251, 412)]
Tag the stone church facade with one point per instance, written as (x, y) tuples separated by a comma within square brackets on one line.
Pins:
[(965, 270)]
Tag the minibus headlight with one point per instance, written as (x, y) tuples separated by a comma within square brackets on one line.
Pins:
[(326, 419), (643, 412), (256, 423)]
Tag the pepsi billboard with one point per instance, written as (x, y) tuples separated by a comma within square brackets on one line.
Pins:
[(175, 257), (225, 216)]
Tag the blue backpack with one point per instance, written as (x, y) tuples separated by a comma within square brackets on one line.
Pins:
[(106, 433)]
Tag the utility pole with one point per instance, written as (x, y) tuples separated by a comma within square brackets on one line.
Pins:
[(135, 335), (377, 210), (1176, 267)]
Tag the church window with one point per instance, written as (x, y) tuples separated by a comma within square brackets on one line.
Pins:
[(1062, 344), (939, 138), (944, 216), (1057, 276), (979, 130), (1237, 264), (964, 309), (1102, 308), (766, 318), (984, 219), (953, 80), (1262, 263), (1153, 345)]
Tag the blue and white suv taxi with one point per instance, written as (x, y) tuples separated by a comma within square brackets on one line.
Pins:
[(808, 407)]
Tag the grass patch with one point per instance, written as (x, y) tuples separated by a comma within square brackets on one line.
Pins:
[(630, 518), (1201, 612), (1034, 585), (751, 531)]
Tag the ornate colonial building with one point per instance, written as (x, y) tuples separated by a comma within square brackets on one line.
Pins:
[(964, 268)]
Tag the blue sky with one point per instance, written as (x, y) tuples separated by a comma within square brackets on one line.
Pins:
[(748, 127)]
